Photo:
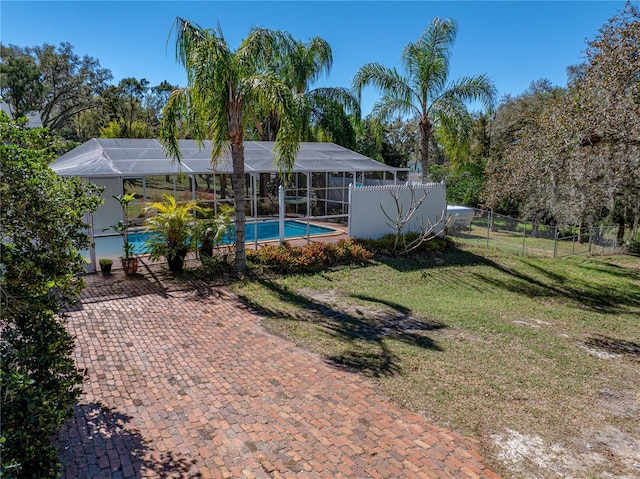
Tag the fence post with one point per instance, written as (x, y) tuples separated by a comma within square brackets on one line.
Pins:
[(349, 219), (524, 237), (590, 238), (281, 213), (488, 226), (555, 243)]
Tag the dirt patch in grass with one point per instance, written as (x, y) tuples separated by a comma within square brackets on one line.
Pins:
[(538, 359)]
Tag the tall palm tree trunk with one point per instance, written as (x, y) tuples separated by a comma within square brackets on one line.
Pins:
[(238, 181), (425, 133)]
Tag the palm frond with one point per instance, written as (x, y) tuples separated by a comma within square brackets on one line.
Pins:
[(452, 130), (427, 60), (187, 33), (387, 80), (342, 96), (172, 116), (390, 107), (262, 48), (320, 56), (474, 88)]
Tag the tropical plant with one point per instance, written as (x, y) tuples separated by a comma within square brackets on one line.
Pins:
[(171, 229), (324, 110), (122, 227), (211, 232), (424, 92), (222, 86)]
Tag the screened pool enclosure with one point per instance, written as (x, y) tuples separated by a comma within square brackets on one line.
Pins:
[(316, 189)]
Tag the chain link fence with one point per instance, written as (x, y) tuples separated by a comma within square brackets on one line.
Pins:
[(526, 238)]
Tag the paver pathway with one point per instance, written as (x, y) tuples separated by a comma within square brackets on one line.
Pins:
[(184, 382)]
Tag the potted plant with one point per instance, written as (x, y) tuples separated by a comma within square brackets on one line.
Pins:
[(171, 226), (211, 232), (105, 265), (129, 261)]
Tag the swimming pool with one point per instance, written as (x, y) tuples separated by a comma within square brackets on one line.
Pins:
[(267, 230)]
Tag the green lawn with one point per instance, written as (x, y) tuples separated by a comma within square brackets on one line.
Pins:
[(519, 241), (537, 358)]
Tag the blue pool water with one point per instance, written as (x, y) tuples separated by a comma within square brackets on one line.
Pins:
[(267, 230)]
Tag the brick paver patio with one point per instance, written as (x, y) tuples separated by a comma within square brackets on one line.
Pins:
[(182, 381)]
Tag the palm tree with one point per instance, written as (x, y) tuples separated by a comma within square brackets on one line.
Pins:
[(424, 91), (221, 86), (324, 109)]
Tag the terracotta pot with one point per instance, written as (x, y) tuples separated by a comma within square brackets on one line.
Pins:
[(130, 265)]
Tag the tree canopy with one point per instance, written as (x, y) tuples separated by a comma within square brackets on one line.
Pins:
[(54, 81), (573, 154)]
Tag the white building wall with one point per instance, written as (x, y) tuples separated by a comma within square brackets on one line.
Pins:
[(367, 217)]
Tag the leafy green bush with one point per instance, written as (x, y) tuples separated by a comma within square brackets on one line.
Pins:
[(385, 245), (633, 245), (171, 225), (307, 258), (42, 223)]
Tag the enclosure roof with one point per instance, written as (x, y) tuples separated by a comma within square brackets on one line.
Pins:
[(109, 157)]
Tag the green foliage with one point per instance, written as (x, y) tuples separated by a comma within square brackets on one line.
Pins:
[(54, 81), (311, 257), (387, 245), (172, 227), (464, 184), (122, 227), (633, 245), (572, 154), (425, 92), (392, 143), (224, 87), (209, 233), (42, 234)]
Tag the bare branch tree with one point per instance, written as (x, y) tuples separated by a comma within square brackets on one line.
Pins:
[(400, 219)]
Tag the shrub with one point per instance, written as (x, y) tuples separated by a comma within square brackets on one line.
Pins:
[(43, 231), (172, 227), (308, 258), (385, 245), (633, 245)]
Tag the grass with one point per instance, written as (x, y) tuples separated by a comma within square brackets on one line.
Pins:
[(512, 241), (491, 345)]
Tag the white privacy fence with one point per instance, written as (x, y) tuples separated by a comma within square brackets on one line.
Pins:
[(375, 210)]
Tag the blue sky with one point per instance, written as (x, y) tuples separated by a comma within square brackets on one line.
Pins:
[(514, 42)]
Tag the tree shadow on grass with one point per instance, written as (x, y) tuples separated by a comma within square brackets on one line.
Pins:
[(527, 278), (628, 349), (613, 270), (96, 443), (581, 293), (362, 332)]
